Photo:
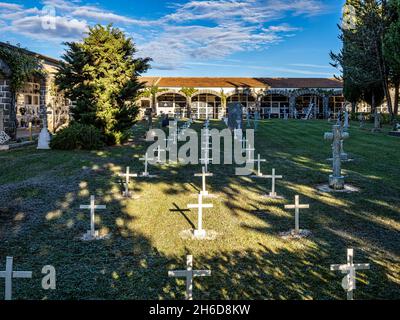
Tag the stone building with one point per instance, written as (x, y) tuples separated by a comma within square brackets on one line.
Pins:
[(37, 100), (274, 97)]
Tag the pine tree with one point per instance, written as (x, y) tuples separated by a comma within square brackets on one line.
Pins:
[(100, 74)]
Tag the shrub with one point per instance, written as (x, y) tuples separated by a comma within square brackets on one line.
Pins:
[(77, 136)]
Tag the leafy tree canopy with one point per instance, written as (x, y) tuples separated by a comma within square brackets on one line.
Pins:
[(100, 74)]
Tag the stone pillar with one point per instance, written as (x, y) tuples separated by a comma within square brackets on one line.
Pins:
[(325, 104), (292, 105)]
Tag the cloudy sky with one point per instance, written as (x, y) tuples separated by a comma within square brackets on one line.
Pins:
[(271, 38)]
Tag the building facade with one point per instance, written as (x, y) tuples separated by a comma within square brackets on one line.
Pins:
[(274, 97), (23, 112)]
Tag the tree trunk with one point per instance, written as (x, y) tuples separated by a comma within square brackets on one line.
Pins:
[(396, 98), (188, 107), (353, 107)]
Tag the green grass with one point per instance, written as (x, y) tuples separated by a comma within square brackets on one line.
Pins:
[(40, 221)]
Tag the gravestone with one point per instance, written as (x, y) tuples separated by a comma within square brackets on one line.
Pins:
[(92, 234), (349, 281), (346, 124), (235, 115), (361, 119), (189, 274), (9, 274), (200, 233), (44, 136), (396, 130), (336, 180), (297, 232), (377, 122)]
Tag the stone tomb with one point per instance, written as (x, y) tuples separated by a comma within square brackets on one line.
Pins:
[(349, 281), (189, 274), (10, 274)]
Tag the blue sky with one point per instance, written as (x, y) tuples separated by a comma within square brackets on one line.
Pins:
[(254, 38)]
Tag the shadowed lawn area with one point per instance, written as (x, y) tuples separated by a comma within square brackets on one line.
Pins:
[(40, 221)]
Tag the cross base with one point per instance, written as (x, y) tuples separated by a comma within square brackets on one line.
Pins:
[(273, 195), (258, 176), (148, 175), (293, 234), (130, 195), (88, 236), (336, 183), (200, 234)]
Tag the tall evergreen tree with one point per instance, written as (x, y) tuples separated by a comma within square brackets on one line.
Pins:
[(101, 75)]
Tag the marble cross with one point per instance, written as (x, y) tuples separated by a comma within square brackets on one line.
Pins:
[(258, 161), (336, 180), (349, 281), (92, 233), (146, 164), (273, 177), (127, 177), (203, 176), (189, 274), (9, 274), (297, 206), (200, 232)]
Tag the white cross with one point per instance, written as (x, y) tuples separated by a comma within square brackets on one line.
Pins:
[(297, 206), (9, 274), (249, 151), (146, 163), (258, 161), (189, 274), (273, 177), (200, 232), (204, 174), (92, 207), (128, 177), (168, 141), (244, 142), (159, 150), (349, 281)]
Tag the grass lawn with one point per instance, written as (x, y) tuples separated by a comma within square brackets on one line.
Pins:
[(40, 221)]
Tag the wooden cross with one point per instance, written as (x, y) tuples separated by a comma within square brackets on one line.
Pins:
[(258, 161), (146, 161), (189, 274), (273, 177), (9, 274), (349, 281), (200, 232), (127, 177), (204, 174), (92, 207), (297, 206)]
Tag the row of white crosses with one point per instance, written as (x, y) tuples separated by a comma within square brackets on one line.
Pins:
[(205, 149)]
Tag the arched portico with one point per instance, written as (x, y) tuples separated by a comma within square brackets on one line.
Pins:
[(274, 105), (206, 105), (171, 103)]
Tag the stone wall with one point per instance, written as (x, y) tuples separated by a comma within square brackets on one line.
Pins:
[(5, 106)]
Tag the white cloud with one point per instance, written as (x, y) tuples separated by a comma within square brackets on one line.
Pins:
[(9, 6)]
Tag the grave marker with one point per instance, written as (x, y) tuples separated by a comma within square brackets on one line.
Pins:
[(349, 281), (203, 176), (9, 274), (200, 233), (92, 233), (336, 180), (146, 164), (273, 177), (258, 161), (297, 206), (189, 274), (127, 177)]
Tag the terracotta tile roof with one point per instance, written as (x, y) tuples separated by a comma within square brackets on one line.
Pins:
[(172, 82)]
